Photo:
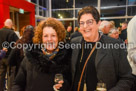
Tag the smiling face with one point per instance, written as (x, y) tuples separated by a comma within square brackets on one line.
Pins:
[(124, 26), (115, 35), (49, 39), (89, 27)]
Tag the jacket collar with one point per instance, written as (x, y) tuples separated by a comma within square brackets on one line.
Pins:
[(99, 55), (42, 62)]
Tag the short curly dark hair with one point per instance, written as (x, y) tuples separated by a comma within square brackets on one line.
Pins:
[(89, 10), (49, 22)]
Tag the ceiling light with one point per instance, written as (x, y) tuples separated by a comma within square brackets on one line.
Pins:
[(58, 14), (61, 17)]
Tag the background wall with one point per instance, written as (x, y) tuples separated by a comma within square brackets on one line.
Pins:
[(5, 9)]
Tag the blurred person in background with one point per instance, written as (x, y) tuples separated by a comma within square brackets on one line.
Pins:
[(68, 33), (131, 33), (105, 27), (16, 31), (17, 54), (123, 34), (76, 33), (119, 28), (114, 33), (112, 24), (3, 53), (39, 66), (22, 31), (6, 35)]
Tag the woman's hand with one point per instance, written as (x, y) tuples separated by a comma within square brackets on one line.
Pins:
[(5, 49), (58, 86)]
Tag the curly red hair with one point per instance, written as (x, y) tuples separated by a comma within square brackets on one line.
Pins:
[(49, 22)]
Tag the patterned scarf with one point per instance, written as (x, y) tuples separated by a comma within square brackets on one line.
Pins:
[(50, 55)]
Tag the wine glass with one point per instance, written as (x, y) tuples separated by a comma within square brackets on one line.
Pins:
[(58, 77), (101, 87)]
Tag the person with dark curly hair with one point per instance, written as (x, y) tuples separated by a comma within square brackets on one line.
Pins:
[(38, 68), (96, 64), (17, 54)]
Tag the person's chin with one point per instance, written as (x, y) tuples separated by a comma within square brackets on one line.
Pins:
[(87, 35), (50, 50)]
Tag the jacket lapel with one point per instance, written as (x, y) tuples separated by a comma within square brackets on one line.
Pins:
[(74, 59), (75, 53), (99, 56)]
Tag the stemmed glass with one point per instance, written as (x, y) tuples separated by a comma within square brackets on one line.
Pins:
[(58, 77)]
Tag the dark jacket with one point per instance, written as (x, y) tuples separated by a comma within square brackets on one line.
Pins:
[(37, 72), (9, 36), (15, 58), (123, 34), (111, 65), (75, 34)]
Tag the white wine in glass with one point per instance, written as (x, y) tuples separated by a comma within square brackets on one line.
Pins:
[(101, 87), (58, 77)]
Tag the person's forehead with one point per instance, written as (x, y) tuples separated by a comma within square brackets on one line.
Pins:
[(88, 15), (124, 23), (115, 31)]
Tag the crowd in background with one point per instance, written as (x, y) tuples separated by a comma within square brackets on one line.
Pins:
[(82, 69)]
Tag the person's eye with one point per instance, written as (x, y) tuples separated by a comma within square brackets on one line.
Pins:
[(45, 35), (53, 35), (89, 22), (81, 23)]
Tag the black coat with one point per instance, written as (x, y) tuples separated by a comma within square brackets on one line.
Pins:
[(75, 34), (9, 36), (2, 54), (37, 72), (123, 34), (15, 58), (111, 64)]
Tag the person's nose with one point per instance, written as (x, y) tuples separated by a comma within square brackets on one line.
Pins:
[(85, 25), (49, 38)]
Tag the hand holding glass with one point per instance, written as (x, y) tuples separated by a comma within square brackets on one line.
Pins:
[(101, 87), (58, 77)]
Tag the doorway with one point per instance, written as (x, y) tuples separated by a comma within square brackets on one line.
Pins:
[(19, 20)]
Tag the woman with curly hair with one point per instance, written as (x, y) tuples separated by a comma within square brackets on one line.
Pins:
[(40, 65)]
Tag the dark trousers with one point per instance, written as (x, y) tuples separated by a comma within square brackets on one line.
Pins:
[(3, 71), (134, 85)]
